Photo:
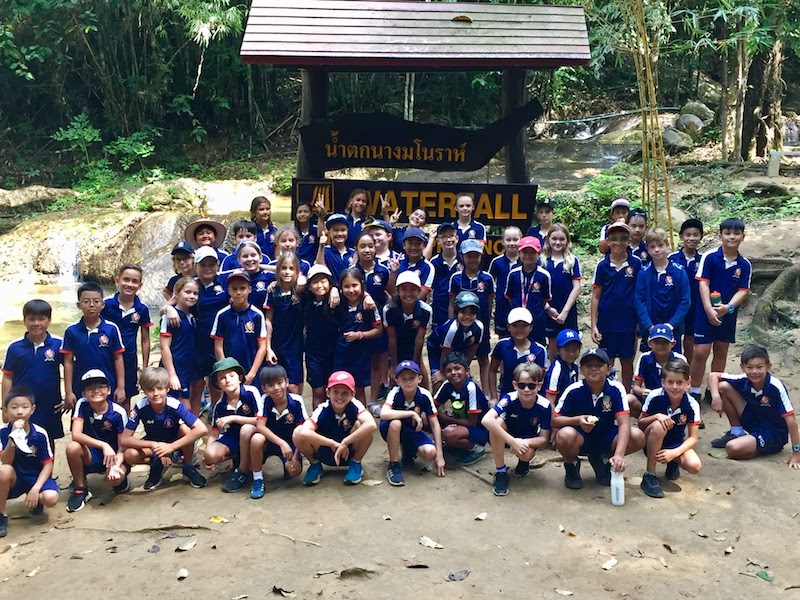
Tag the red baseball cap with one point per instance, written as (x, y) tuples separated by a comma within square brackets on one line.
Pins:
[(342, 378), (530, 241)]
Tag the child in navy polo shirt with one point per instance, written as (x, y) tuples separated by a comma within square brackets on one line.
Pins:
[(515, 350), (667, 412), (339, 430), (461, 334), (282, 413), (612, 314), (321, 330), (132, 317), (97, 426), (178, 343), (34, 361), (409, 408), (92, 343), (528, 286), (593, 419), (182, 264), (285, 313), (357, 211), (637, 221), (445, 265), (520, 420), (563, 372), (619, 212), (463, 405), (662, 289), (168, 426), (251, 260), (758, 408), (499, 268), (338, 255), (406, 318), (381, 233), (309, 234), (240, 330), (472, 279), (544, 215), (207, 233), (688, 257), (26, 462), (243, 231), (261, 215), (413, 246), (647, 374), (287, 241), (565, 283), (727, 273), (468, 228)]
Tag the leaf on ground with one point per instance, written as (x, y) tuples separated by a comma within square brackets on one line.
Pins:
[(481, 516), (701, 534), (610, 564), (729, 550), (718, 453), (357, 571), (187, 545), (670, 549), (276, 589), (563, 592), (387, 517), (182, 574), (429, 543), (112, 549), (319, 574), (239, 597), (458, 575), (766, 576), (218, 519), (371, 482), (417, 566), (34, 572), (693, 514), (635, 553)]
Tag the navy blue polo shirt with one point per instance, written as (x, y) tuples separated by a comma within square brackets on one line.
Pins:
[(163, 426), (662, 296), (259, 283), (640, 252), (647, 371), (406, 326), (510, 356), (248, 405), (92, 349), (421, 403), (105, 426), (398, 233), (182, 346), (615, 311), (474, 231), (283, 423), (355, 225), (522, 422), (423, 268), (128, 321), (336, 427), (355, 318), (536, 231), (499, 268), (265, 238), (287, 321), (338, 261), (240, 332), (690, 266), (453, 336), (304, 266), (28, 465), (530, 290), (723, 276), (309, 243), (578, 400), (375, 281), (440, 294), (470, 395), (764, 408), (686, 413), (213, 298), (322, 327), (39, 369), (482, 285), (561, 279), (560, 376)]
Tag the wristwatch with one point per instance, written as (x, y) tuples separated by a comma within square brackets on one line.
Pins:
[(795, 447), (731, 309)]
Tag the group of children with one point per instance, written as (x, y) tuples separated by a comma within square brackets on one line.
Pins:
[(348, 303)]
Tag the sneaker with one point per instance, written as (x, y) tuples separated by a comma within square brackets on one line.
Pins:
[(354, 473), (192, 474), (257, 490), (156, 473), (39, 509), (707, 396), (123, 486), (602, 470), (651, 486), (522, 469), (722, 441), (383, 391), (572, 477), (236, 481), (205, 407), (471, 458), (500, 486), (374, 408), (313, 474), (394, 474), (408, 459), (78, 499), (3, 525), (177, 458), (673, 470)]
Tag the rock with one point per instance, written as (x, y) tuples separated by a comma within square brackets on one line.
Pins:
[(678, 217), (153, 197), (633, 136), (35, 197), (676, 141), (700, 110), (691, 124)]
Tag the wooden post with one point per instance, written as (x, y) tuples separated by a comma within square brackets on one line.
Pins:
[(314, 106), (515, 151)]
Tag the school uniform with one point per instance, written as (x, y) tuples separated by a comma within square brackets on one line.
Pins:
[(28, 463), (406, 326), (640, 252), (287, 332), (163, 426), (355, 225), (422, 267), (375, 281), (536, 231), (231, 263), (106, 426), (561, 280), (499, 268), (459, 404), (522, 422), (387, 256), (282, 423), (259, 284), (530, 290), (647, 371), (308, 245), (304, 266), (321, 333), (37, 367), (560, 376), (182, 347), (336, 427), (129, 321), (212, 298), (422, 404), (612, 401), (440, 292), (765, 411), (474, 231), (92, 349), (510, 357), (727, 278), (355, 357), (171, 282), (482, 285), (690, 266), (337, 261), (248, 405), (240, 332), (265, 238), (662, 297), (398, 233), (687, 413), (451, 336), (616, 316)]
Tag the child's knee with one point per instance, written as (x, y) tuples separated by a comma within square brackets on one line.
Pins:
[(49, 498), (691, 464), (134, 456), (528, 455), (655, 430), (7, 474), (258, 441), (636, 441), (450, 435), (427, 452)]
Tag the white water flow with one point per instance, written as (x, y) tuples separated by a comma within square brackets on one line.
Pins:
[(67, 263)]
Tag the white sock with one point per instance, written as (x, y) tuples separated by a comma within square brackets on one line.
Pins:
[(258, 475)]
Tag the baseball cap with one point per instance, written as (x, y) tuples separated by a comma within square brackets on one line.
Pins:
[(444, 227), (471, 246), (618, 225), (662, 331), (408, 277), (465, 299), (566, 336), (415, 232), (182, 246), (318, 270), (620, 202), (334, 219), (225, 364), (238, 274), (93, 376), (219, 229), (544, 202), (205, 252), (407, 365), (530, 241), (342, 378), (597, 353), (520, 314), (379, 223)]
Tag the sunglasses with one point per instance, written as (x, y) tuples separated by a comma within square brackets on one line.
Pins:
[(618, 239), (528, 386)]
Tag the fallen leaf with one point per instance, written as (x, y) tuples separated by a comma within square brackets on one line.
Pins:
[(693, 514), (241, 597), (34, 572), (461, 19), (670, 549), (481, 516), (792, 587), (731, 490), (729, 550), (371, 482), (718, 453), (154, 548), (720, 539), (429, 543), (76, 557), (635, 553), (417, 566), (182, 574), (663, 562), (766, 576), (326, 572), (701, 534), (187, 545), (357, 571), (610, 564), (217, 519), (112, 549), (282, 591), (387, 517), (458, 575), (563, 592), (756, 562), (795, 514)]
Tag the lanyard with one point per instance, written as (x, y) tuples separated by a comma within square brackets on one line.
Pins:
[(523, 289)]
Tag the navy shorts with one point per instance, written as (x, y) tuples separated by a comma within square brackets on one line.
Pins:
[(360, 367), (381, 344), (521, 430), (325, 456), (23, 485), (96, 464), (272, 449), (293, 363), (478, 435), (768, 440), (553, 328), (483, 347), (229, 440), (619, 345), (410, 439), (203, 365), (706, 333), (688, 321), (129, 359), (597, 443), (434, 356), (318, 369)]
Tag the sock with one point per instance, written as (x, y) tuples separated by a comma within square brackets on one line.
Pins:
[(695, 390), (502, 469), (355, 462), (737, 431), (258, 475), (476, 448)]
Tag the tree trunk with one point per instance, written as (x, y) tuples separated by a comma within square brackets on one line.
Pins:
[(314, 105), (741, 85), (723, 105), (770, 134), (514, 97)]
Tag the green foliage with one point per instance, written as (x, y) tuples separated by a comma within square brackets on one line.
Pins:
[(133, 148), (78, 135), (621, 180), (99, 184)]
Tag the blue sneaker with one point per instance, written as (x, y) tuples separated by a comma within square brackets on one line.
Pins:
[(470, 458), (394, 474), (313, 474), (257, 491), (354, 473)]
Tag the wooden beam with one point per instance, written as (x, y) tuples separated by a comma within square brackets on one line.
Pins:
[(515, 151), (314, 105)]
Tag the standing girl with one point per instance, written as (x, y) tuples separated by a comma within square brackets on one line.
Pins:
[(357, 211), (307, 229), (565, 284), (178, 343), (467, 227), (248, 255), (283, 310), (287, 241), (261, 214), (322, 330)]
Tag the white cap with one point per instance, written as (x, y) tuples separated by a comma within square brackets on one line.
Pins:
[(520, 314), (408, 277), (205, 252), (315, 270), (620, 202)]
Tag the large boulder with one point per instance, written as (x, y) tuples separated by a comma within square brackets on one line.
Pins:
[(632, 136), (36, 197), (700, 110), (676, 141), (691, 124)]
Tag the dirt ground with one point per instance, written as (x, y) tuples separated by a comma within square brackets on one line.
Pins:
[(707, 538)]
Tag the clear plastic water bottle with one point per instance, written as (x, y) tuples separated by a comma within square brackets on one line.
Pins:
[(617, 488)]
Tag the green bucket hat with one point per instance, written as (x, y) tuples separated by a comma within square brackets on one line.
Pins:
[(226, 364)]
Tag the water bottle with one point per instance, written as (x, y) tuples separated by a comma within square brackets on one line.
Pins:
[(617, 488)]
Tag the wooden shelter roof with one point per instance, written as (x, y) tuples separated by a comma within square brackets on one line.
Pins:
[(408, 36)]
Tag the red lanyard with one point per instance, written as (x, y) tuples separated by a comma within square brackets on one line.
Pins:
[(522, 288)]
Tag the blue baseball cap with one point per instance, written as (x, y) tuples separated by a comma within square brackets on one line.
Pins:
[(471, 246), (566, 336), (379, 223), (662, 331), (445, 226), (597, 353), (407, 365), (182, 246), (465, 299), (415, 232), (334, 219)]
